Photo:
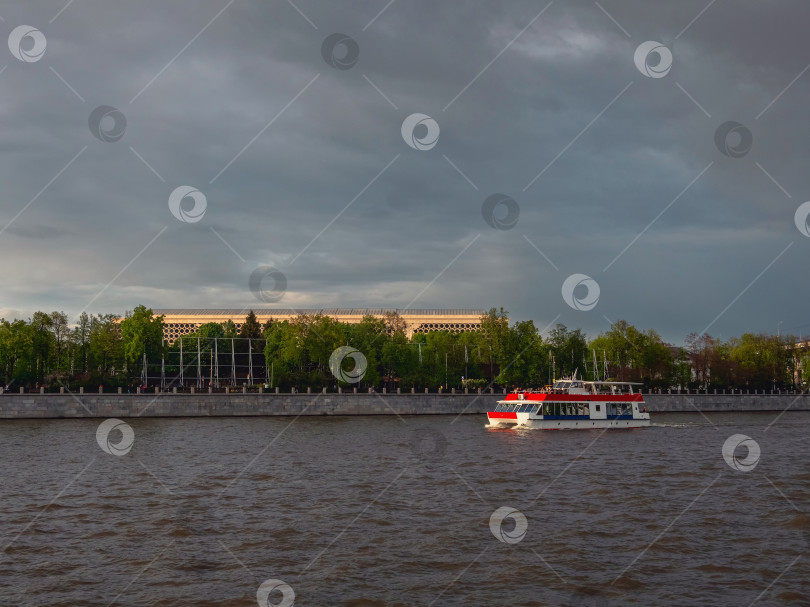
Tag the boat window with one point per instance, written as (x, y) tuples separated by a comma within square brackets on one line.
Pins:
[(598, 407)]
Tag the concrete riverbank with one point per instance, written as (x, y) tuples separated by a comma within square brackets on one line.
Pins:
[(26, 406)]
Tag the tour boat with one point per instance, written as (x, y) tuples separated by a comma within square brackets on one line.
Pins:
[(573, 404)]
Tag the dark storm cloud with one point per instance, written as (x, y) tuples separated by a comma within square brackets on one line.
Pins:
[(214, 102)]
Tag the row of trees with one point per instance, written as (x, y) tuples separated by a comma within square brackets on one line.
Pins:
[(50, 350)]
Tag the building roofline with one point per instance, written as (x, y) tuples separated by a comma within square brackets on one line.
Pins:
[(324, 311)]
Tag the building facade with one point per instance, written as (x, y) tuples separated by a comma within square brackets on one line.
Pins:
[(186, 321)]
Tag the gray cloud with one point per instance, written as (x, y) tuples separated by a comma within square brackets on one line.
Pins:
[(401, 233)]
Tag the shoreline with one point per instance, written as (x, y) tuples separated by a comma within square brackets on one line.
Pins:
[(238, 404)]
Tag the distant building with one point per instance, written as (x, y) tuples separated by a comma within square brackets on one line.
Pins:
[(184, 321)]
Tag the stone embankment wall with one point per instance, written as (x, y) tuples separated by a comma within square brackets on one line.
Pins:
[(22, 406), (726, 402)]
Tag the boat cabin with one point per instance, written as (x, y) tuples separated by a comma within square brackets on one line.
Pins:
[(572, 403)]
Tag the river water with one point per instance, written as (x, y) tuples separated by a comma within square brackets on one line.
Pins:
[(384, 511)]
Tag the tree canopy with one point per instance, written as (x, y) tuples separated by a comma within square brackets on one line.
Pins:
[(49, 349)]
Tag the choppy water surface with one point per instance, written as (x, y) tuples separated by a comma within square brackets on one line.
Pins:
[(383, 511)]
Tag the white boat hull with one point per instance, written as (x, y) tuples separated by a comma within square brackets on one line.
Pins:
[(566, 424)]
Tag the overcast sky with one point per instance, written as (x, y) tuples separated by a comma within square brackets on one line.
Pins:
[(614, 163)]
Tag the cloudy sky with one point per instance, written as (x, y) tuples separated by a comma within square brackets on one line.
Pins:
[(606, 160)]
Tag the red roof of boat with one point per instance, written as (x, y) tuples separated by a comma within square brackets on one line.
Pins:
[(530, 396)]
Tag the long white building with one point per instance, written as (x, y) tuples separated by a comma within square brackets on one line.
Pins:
[(185, 321)]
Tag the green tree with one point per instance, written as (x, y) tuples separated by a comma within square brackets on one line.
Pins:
[(569, 349), (61, 337), (492, 337), (210, 330), (142, 332), (283, 354), (762, 361), (636, 355), (443, 359), (369, 336), (81, 340), (17, 351), (229, 329), (105, 344), (251, 328), (42, 342), (525, 349)]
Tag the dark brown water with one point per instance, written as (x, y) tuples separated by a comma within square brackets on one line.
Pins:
[(377, 511)]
